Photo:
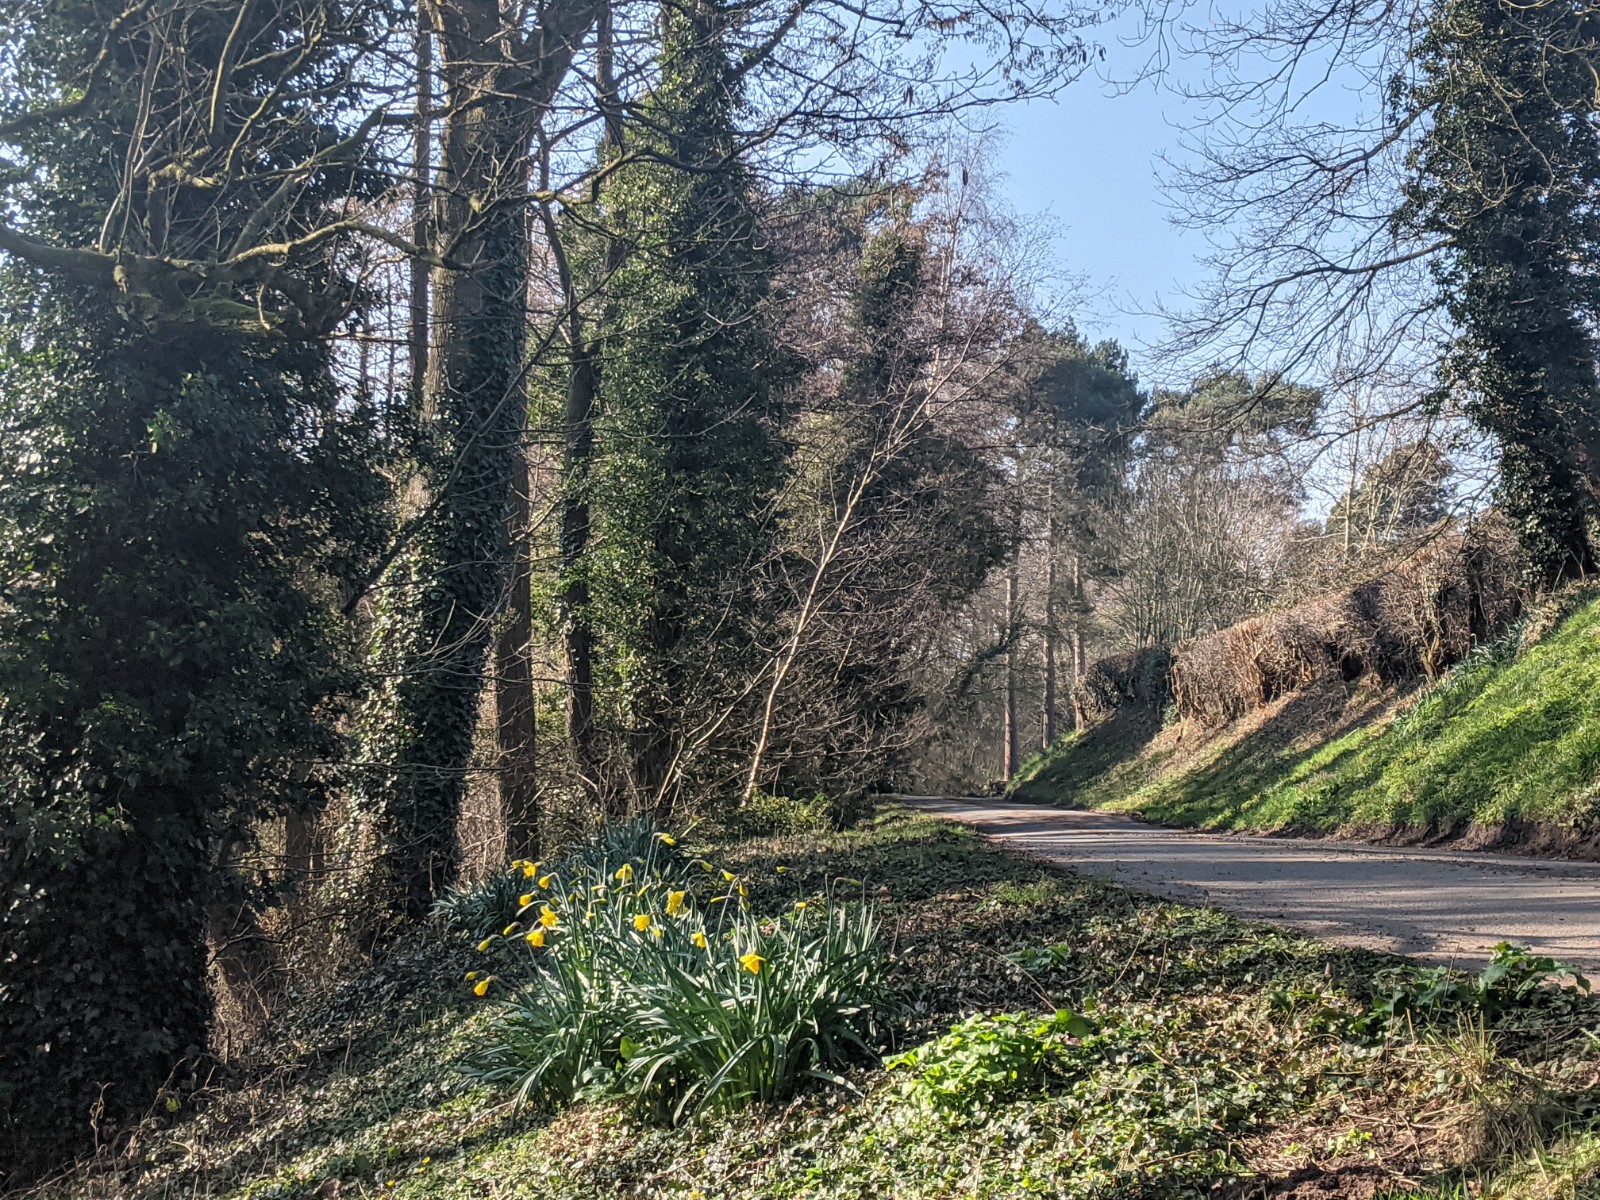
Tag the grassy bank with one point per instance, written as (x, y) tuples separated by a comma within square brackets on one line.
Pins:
[(1509, 740), (1060, 1037)]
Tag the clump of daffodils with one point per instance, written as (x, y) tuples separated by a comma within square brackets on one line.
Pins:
[(676, 992)]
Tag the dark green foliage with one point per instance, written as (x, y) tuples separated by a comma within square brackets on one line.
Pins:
[(163, 667), (1507, 172), (689, 445), (181, 506), (1225, 407), (1405, 493), (1515, 978)]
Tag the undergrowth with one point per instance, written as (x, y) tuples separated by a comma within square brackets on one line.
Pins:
[(1059, 1037)]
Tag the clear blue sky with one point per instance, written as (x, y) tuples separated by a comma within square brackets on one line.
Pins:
[(1089, 159)]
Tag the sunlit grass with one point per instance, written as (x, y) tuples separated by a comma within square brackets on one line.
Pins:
[(1502, 739)]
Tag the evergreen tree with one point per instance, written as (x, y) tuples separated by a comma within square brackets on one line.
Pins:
[(1507, 171), (689, 452)]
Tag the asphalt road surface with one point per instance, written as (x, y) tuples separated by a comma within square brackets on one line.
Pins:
[(1445, 906)]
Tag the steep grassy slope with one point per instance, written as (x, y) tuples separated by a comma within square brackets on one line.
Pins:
[(1225, 1060), (1507, 742)]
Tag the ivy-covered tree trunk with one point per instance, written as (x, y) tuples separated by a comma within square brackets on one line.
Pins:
[(578, 635), (690, 415), (516, 721), (1508, 171), (446, 593)]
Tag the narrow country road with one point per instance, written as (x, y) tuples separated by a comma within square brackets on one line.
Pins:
[(1446, 906)]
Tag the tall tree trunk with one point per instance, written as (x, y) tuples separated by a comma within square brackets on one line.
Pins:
[(421, 167), (1010, 756), (1048, 724), (516, 732), (578, 642), (1080, 662), (453, 578)]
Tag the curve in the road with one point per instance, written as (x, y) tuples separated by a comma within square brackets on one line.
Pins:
[(1440, 905)]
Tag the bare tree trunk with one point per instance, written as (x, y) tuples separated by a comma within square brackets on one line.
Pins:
[(245, 959), (1011, 757), (1048, 725), (421, 166), (298, 847), (1080, 662), (516, 732)]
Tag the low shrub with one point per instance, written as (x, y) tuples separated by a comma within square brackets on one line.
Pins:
[(1416, 619), (766, 815), (1515, 978), (987, 1059), (679, 997), (1135, 679)]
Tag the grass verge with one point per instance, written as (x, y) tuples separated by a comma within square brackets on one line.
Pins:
[(1507, 743), (1212, 1058)]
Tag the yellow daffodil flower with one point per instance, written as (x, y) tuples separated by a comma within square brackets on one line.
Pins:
[(751, 962), (704, 865), (800, 906), (480, 988), (471, 975), (782, 870), (509, 930), (544, 882), (641, 922), (535, 937), (524, 901), (729, 876), (484, 945), (666, 839), (699, 938), (675, 903), (548, 917), (625, 873)]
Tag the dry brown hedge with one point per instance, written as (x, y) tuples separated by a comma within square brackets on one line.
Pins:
[(1136, 678), (1415, 619)]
